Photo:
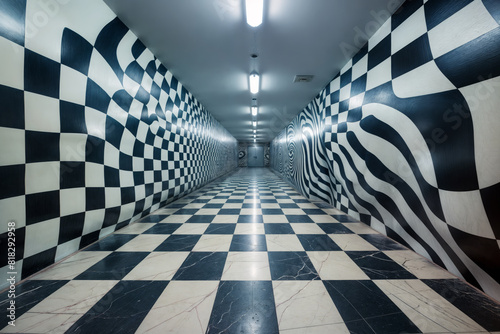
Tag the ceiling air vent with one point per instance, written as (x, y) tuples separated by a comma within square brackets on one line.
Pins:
[(303, 78)]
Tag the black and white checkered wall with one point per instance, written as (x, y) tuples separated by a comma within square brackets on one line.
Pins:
[(94, 131), (406, 137)]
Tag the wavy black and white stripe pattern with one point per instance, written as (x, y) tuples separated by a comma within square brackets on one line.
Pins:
[(405, 138)]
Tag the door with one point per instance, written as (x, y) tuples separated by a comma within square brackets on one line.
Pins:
[(255, 156)]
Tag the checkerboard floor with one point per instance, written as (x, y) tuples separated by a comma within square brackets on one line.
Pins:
[(248, 254)]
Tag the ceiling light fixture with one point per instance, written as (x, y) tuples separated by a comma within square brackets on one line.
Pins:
[(254, 83), (254, 123), (254, 111), (255, 10), (254, 131)]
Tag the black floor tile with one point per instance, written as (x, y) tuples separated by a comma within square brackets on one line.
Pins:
[(111, 243), (153, 218), (345, 218), (185, 212), (163, 229), (335, 228), (27, 295), (314, 212), (122, 309), (220, 229), (178, 243), (377, 265), (299, 219), (250, 219), (382, 242), (244, 307), (323, 205), (317, 242), (272, 212), (202, 266), (213, 206), (251, 206), (248, 243), (300, 200), (202, 219), (115, 266), (290, 266), (473, 303), (234, 201), (278, 228), (197, 200), (289, 206), (268, 200), (229, 212), (175, 205), (363, 301)]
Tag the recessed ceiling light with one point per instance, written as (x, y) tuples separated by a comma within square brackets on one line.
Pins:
[(254, 111), (255, 9), (254, 83), (254, 131), (254, 123)]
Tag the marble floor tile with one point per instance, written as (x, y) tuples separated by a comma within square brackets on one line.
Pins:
[(336, 266), (377, 265), (270, 219), (305, 228), (317, 242), (72, 266), (187, 228), (420, 303), (183, 307), (244, 307), (42, 323), (205, 266), (289, 266), (226, 219), (176, 219), (352, 242), (248, 254), (249, 229), (213, 243), (122, 309), (143, 243), (418, 265), (158, 266), (248, 243), (323, 219), (246, 266), (207, 212), (76, 297), (305, 304), (280, 242), (360, 228), (135, 228)]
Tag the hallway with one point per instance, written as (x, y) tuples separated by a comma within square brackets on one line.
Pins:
[(248, 254)]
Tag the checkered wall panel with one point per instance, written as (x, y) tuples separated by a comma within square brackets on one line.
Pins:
[(94, 132), (406, 136)]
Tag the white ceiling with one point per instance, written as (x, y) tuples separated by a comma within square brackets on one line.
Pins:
[(207, 45)]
